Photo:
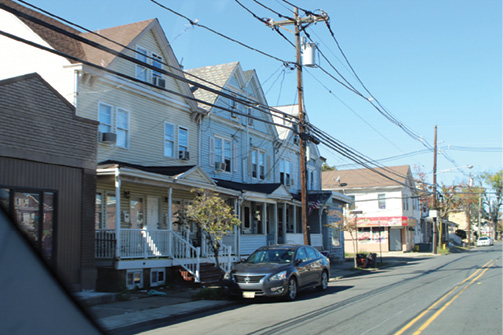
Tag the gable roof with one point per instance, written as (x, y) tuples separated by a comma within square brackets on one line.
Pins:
[(218, 75), (56, 40), (124, 35), (361, 178)]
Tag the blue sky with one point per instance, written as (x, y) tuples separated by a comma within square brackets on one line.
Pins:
[(427, 62)]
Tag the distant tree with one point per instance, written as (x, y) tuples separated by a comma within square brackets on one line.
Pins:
[(214, 217), (492, 201), (326, 167), (346, 222), (424, 188)]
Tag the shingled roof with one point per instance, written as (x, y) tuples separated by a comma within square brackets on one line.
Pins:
[(122, 34), (219, 75), (361, 178)]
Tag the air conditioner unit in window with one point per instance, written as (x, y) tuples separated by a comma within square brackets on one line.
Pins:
[(159, 82), (219, 166), (108, 138), (183, 154)]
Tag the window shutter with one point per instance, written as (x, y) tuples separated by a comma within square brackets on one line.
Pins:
[(211, 159), (235, 157), (250, 163)]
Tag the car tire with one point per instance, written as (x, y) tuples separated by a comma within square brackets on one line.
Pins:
[(292, 289), (323, 281)]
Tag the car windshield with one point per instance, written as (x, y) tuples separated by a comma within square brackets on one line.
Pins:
[(271, 256), (483, 238)]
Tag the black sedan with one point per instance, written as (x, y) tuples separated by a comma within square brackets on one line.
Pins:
[(279, 271)]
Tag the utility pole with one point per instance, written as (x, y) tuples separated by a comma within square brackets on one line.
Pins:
[(435, 191), (298, 22)]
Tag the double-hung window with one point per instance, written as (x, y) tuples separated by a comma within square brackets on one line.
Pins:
[(258, 164), (183, 139), (156, 62), (105, 118), (141, 71), (381, 199), (223, 152), (122, 128), (284, 172), (169, 140)]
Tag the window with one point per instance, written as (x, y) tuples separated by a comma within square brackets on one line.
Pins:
[(105, 210), (136, 209), (157, 62), (258, 164), (105, 118), (134, 279), (310, 180), (35, 215), (141, 71), (284, 172), (122, 128), (169, 140), (157, 277), (352, 205), (183, 139), (381, 199), (223, 152)]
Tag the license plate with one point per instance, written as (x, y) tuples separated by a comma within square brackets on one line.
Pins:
[(249, 295)]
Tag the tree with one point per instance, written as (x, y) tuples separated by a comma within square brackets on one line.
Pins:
[(346, 222), (214, 217), (326, 167), (493, 200)]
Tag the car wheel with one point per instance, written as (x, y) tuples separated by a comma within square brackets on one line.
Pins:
[(291, 294), (324, 281)]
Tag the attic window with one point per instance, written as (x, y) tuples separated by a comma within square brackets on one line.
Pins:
[(156, 62), (141, 71)]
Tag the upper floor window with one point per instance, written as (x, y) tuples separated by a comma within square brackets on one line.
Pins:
[(157, 62), (183, 139), (381, 199), (310, 180), (105, 118), (258, 164), (223, 154), (122, 128), (141, 71), (169, 140), (284, 172)]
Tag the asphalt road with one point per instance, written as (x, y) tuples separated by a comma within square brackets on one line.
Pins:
[(453, 294)]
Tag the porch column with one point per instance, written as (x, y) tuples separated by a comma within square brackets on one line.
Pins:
[(294, 218), (275, 223), (170, 221), (285, 222), (264, 219), (117, 213), (236, 229)]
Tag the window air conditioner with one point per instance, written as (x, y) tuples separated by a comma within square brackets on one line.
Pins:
[(159, 82), (219, 166), (184, 155), (108, 138)]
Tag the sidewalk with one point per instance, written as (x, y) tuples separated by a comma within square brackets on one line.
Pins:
[(143, 309)]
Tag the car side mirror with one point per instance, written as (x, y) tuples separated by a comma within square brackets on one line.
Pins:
[(298, 261)]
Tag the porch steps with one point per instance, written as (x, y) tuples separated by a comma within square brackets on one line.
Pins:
[(208, 273)]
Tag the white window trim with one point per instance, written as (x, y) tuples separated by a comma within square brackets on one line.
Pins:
[(159, 59), (230, 157), (157, 283), (128, 126), (174, 140), (111, 125), (138, 66), (133, 286), (178, 138)]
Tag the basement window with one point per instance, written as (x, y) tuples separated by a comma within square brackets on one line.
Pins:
[(157, 277), (134, 279)]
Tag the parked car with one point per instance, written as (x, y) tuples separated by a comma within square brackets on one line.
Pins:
[(484, 240), (279, 271)]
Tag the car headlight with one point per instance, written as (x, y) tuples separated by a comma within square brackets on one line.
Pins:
[(279, 276)]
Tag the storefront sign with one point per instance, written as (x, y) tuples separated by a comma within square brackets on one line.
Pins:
[(386, 221)]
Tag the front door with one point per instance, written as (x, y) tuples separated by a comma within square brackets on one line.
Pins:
[(152, 212), (395, 240)]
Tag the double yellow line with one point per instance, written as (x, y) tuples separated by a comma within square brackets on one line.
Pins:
[(477, 273)]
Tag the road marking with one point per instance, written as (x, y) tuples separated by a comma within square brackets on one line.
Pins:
[(417, 318)]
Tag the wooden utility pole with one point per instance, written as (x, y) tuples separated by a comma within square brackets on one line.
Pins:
[(435, 192), (298, 21)]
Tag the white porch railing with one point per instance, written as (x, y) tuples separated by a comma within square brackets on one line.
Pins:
[(224, 255), (146, 243)]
